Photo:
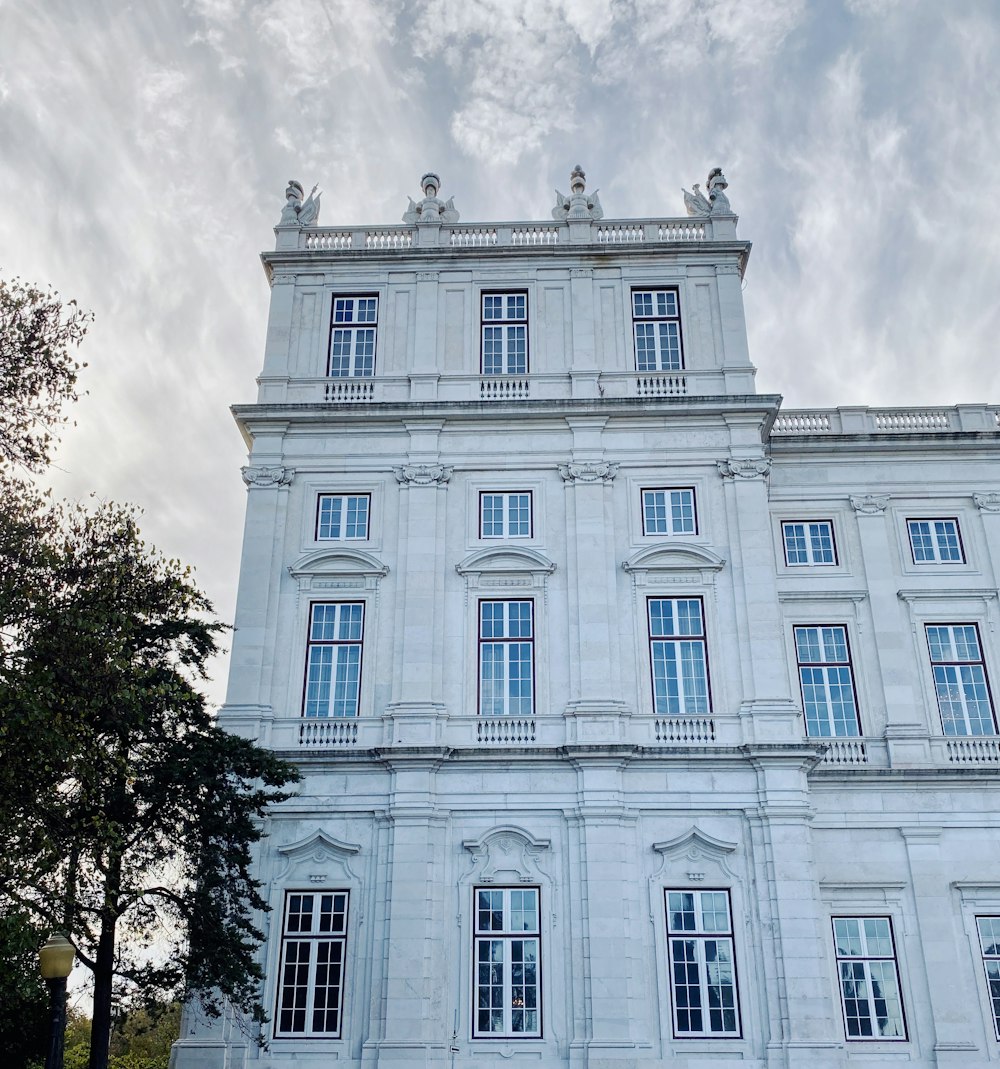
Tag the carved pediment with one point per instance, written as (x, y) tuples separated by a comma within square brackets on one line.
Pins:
[(511, 561), (667, 557), (693, 849), (508, 853), (340, 562), (317, 857)]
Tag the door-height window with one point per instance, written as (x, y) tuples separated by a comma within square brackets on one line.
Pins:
[(827, 681), (808, 542), (656, 324), (506, 658), (333, 659), (505, 515), (989, 947), (342, 517), (507, 962), (869, 979), (960, 683), (352, 336), (505, 333), (702, 964), (311, 975), (669, 512), (678, 656)]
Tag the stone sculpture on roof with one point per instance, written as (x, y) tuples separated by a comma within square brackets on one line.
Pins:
[(717, 203), (578, 205), (696, 202), (297, 213), (431, 209)]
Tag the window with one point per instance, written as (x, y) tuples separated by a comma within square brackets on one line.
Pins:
[(352, 336), (989, 944), (503, 515), (935, 542), (506, 658), (869, 980), (333, 660), (808, 542), (505, 333), (702, 967), (507, 961), (963, 692), (827, 682), (678, 657), (668, 512), (657, 325), (342, 516), (311, 978)]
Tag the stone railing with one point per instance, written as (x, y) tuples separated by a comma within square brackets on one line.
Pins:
[(886, 420), (519, 235)]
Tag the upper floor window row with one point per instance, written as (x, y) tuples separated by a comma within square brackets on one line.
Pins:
[(505, 334), (342, 517), (935, 541), (808, 542), (669, 511), (656, 325)]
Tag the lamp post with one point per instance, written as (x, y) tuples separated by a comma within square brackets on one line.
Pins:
[(56, 962)]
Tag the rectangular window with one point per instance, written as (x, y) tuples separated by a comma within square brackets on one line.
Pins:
[(668, 512), (505, 333), (333, 659), (352, 336), (989, 944), (808, 542), (960, 683), (827, 681), (508, 994), (505, 515), (506, 658), (935, 542), (311, 977), (656, 323), (678, 656), (342, 516), (702, 965), (869, 979)]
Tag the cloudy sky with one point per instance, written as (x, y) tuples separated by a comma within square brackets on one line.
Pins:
[(145, 147)]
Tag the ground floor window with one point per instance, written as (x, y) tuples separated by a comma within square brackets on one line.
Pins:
[(507, 963), (869, 979)]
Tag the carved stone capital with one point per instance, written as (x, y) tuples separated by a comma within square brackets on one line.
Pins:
[(588, 473), (989, 502), (744, 467), (869, 504), (423, 474), (266, 477)]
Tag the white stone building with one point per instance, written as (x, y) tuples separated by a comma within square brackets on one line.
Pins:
[(641, 723)]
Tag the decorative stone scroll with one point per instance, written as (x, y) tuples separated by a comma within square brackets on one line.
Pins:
[(869, 504), (588, 473), (266, 477), (989, 502), (744, 467), (423, 474), (506, 853)]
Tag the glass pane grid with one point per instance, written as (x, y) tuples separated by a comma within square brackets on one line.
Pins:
[(352, 345), (960, 683), (869, 980), (668, 512), (827, 682), (657, 329), (678, 656), (342, 516), (311, 975), (505, 515), (507, 995), (935, 541), (333, 660), (808, 542)]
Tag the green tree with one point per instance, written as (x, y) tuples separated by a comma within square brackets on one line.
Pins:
[(24, 1000), (128, 816)]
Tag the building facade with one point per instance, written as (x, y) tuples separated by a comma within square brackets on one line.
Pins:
[(641, 723)]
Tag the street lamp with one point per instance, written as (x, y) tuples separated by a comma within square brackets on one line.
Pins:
[(56, 962)]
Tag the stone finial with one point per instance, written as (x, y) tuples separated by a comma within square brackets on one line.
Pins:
[(296, 212), (431, 209), (577, 205), (717, 186)]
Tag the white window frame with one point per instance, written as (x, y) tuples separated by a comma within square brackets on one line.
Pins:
[(942, 536), (315, 943), (685, 646), (515, 999), (510, 502), (660, 326), (347, 658), (353, 325), (679, 510), (504, 322), (696, 942), (813, 543), (828, 675), (944, 686), (510, 705), (862, 966), (341, 503)]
